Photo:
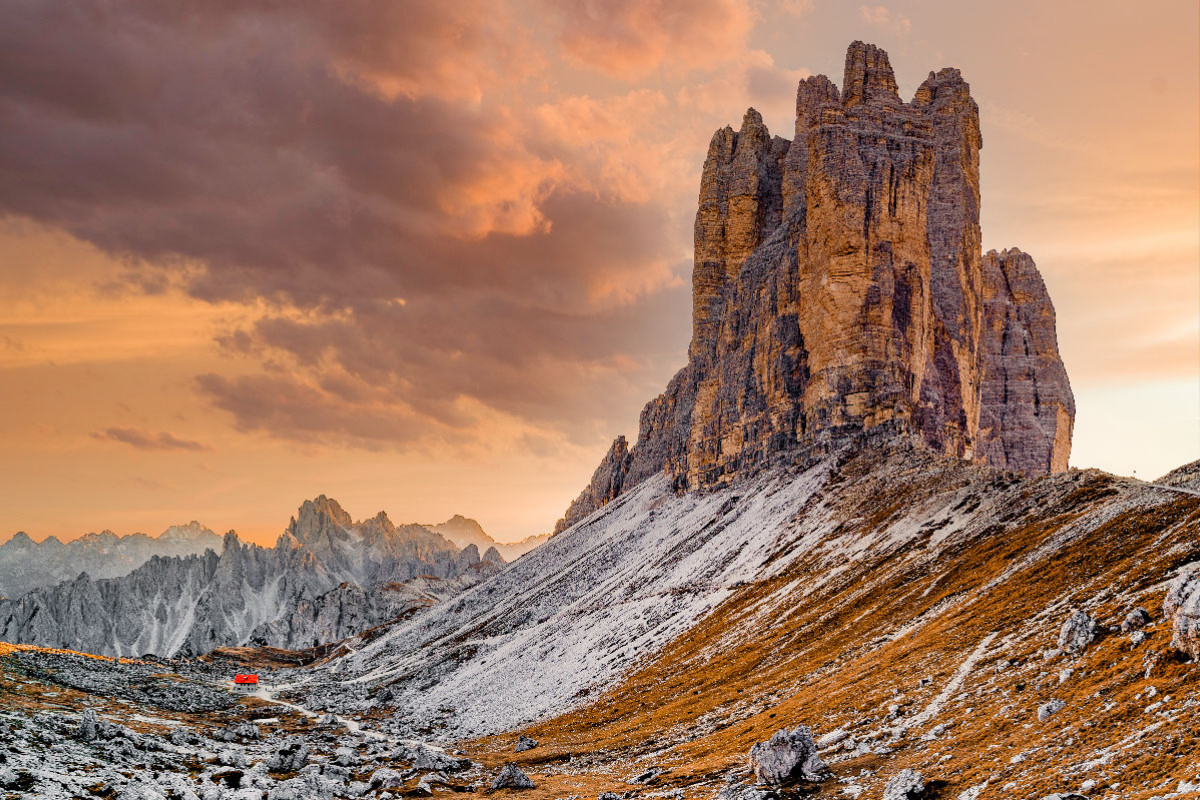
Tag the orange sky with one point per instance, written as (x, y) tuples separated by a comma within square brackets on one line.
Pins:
[(432, 258)]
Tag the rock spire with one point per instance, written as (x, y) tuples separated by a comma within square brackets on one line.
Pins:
[(841, 295)]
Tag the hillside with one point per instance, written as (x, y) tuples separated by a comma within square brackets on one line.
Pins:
[(913, 611), (845, 557), (906, 607)]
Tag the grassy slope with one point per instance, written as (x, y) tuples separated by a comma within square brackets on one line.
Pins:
[(954, 555)]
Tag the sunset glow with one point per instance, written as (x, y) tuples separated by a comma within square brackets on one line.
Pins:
[(433, 260)]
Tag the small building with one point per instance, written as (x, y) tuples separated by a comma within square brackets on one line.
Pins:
[(245, 683)]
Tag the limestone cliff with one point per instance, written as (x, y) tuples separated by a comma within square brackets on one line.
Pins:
[(1027, 409), (840, 296)]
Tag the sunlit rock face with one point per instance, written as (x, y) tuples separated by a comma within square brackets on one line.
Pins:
[(840, 295)]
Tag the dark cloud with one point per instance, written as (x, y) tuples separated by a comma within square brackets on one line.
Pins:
[(145, 440), (421, 245)]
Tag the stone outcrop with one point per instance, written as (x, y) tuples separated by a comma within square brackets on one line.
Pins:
[(1048, 709), (787, 756), (1027, 409), (907, 784), (605, 485), (1182, 608), (841, 296), (1077, 632)]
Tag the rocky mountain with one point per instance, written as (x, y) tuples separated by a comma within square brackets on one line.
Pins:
[(840, 296), (326, 576), (464, 531), (26, 565), (844, 558), (905, 605)]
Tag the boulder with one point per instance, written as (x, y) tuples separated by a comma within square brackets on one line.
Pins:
[(907, 784), (182, 736), (386, 778), (424, 757), (510, 777), (306, 787), (1047, 710), (786, 756), (1182, 608), (289, 758), (1135, 620), (524, 743), (238, 733), (89, 726), (833, 738), (1077, 633)]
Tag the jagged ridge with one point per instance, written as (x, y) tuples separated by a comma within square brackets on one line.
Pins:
[(307, 589)]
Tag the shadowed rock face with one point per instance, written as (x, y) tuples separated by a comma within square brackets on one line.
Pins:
[(1027, 409), (840, 296)]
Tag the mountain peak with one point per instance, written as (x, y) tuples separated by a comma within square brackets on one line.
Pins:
[(230, 542), (868, 75), (192, 531), (840, 298), (20, 541), (322, 505)]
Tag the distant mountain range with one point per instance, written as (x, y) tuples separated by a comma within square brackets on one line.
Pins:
[(26, 565), (328, 577), (464, 531)]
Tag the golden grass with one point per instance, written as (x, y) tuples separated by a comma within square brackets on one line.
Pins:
[(831, 659)]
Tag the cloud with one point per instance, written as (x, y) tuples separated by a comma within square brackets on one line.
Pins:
[(629, 39), (882, 17), (754, 79), (145, 440), (363, 179), (797, 8)]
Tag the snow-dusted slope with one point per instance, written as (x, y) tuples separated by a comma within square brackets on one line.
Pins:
[(575, 617), (576, 611)]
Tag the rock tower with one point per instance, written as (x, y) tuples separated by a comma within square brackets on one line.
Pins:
[(840, 296)]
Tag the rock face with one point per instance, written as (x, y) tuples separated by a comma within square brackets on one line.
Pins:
[(840, 296), (787, 756), (1027, 409)]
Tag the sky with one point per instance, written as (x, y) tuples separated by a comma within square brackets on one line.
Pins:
[(431, 258)]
